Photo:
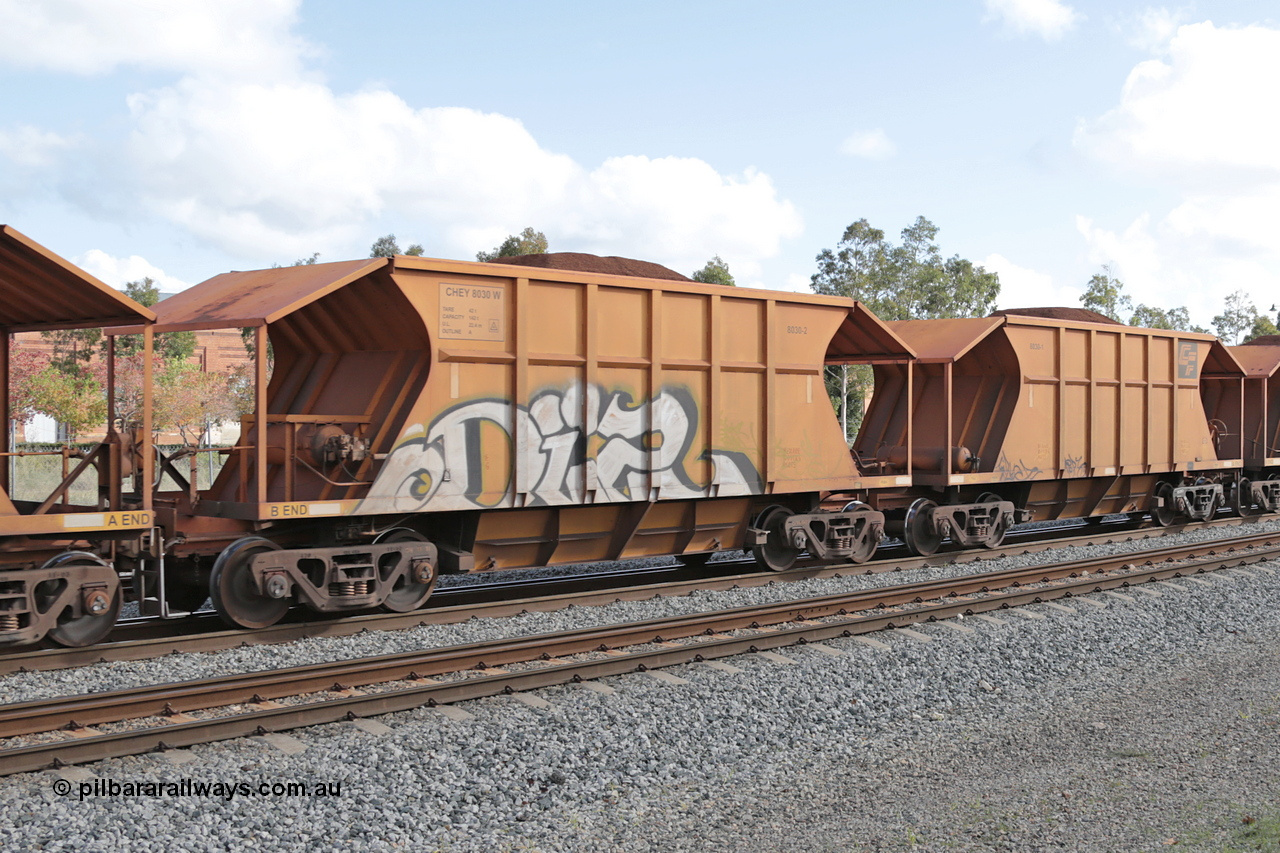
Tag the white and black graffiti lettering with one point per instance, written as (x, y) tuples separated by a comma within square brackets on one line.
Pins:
[(567, 450)]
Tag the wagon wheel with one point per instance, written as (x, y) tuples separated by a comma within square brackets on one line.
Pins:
[(867, 547), (1242, 497), (407, 594), (995, 537), (918, 529), (88, 628), (1164, 515), (235, 595), (777, 554)]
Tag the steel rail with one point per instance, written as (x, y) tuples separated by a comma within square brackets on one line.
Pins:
[(206, 632), (881, 608)]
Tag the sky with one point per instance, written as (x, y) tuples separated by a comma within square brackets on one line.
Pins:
[(1044, 138)]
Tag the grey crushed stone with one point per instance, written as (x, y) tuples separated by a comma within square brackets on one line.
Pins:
[(1116, 728)]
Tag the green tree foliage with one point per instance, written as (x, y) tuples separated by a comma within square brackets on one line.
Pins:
[(909, 281), (384, 247), (1262, 327), (145, 291), (75, 400), (527, 242), (1237, 317), (192, 400), (715, 272), (1105, 294), (1176, 319), (73, 349), (310, 261), (240, 397), (387, 247), (171, 346)]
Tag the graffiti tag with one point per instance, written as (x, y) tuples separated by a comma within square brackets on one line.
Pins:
[(564, 447), (1015, 471), (1074, 466)]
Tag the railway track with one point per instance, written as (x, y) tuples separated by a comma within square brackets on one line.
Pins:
[(181, 714), (146, 638)]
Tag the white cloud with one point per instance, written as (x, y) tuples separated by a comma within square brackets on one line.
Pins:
[(256, 157), (1161, 269), (869, 144), (1199, 123), (293, 167), (1022, 287), (240, 38), (118, 272), (1152, 29), (1048, 19), (797, 283), (1205, 117), (1135, 256), (31, 147)]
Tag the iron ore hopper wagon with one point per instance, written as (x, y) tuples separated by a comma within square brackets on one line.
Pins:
[(1041, 414), (427, 415), (1259, 485), (415, 416)]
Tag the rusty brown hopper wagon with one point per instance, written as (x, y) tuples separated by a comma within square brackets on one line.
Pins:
[(1052, 417), (1261, 361), (430, 414), (56, 573)]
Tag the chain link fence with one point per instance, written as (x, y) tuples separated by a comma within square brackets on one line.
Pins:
[(33, 477)]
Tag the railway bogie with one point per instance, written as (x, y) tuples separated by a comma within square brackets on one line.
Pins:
[(779, 536), (73, 599), (254, 581), (1252, 497)]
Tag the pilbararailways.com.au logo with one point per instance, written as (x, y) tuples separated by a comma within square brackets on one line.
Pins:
[(194, 788)]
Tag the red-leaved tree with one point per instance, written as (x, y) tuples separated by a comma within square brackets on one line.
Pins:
[(191, 400), (24, 366)]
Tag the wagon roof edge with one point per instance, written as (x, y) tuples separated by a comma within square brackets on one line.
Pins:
[(945, 340), (39, 289), (1257, 361), (415, 263), (940, 341), (257, 297), (861, 327)]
